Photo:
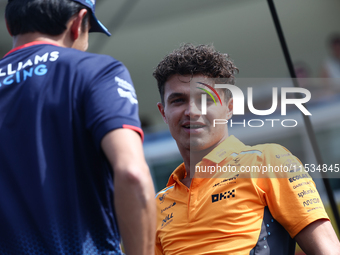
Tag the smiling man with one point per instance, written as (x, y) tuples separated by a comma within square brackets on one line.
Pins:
[(233, 212)]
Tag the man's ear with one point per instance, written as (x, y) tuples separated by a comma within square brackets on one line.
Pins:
[(161, 110), (9, 31), (230, 106), (76, 24)]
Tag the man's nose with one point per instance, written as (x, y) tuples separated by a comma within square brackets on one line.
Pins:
[(193, 109)]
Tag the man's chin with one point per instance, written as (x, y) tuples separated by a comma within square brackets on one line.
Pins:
[(197, 145)]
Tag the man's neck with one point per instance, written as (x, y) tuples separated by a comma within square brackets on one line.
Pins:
[(23, 39), (191, 158)]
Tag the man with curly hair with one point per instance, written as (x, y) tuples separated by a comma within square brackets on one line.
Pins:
[(231, 212)]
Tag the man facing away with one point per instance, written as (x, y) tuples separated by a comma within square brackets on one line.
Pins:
[(234, 212), (73, 178)]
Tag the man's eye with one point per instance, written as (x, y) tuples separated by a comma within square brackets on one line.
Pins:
[(177, 100), (210, 100)]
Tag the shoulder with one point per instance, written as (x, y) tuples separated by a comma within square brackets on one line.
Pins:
[(270, 150), (79, 59), (267, 147), (264, 151), (94, 68), (278, 162), (274, 152), (273, 160), (161, 194)]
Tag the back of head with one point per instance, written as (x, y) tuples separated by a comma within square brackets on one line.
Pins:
[(193, 60), (44, 16)]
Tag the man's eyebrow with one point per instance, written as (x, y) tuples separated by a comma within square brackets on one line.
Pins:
[(175, 95)]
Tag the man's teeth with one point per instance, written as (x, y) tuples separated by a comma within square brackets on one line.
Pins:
[(193, 126)]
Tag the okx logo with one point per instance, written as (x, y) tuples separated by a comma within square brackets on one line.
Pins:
[(222, 196)]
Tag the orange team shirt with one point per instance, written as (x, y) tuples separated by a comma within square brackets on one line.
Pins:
[(237, 212)]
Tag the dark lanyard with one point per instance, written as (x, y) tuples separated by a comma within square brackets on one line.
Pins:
[(306, 118)]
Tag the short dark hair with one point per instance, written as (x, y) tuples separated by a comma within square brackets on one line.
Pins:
[(190, 59), (44, 16)]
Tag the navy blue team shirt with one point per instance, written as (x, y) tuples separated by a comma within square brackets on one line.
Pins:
[(56, 185)]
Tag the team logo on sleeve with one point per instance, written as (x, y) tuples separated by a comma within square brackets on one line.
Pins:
[(126, 90), (298, 177), (283, 155), (306, 192), (128, 95), (125, 85)]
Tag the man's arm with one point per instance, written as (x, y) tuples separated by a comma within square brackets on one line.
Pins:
[(134, 191), (318, 238)]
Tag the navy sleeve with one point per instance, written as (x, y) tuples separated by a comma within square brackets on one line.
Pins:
[(111, 102)]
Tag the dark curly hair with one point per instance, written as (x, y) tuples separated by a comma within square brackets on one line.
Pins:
[(190, 59)]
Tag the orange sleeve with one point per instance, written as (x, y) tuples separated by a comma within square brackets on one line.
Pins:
[(291, 197)]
